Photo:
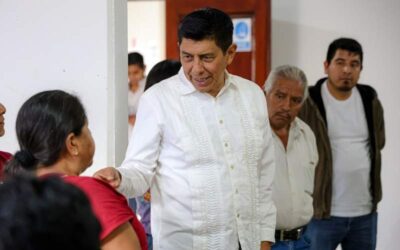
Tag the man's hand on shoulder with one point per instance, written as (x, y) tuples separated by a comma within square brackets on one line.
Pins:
[(265, 245), (110, 175)]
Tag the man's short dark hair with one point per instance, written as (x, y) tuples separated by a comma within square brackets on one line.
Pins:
[(343, 43), (46, 214), (135, 58), (207, 23)]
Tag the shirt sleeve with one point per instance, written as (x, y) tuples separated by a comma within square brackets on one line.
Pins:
[(267, 209), (140, 162)]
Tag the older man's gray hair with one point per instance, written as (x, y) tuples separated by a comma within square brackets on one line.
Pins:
[(287, 72)]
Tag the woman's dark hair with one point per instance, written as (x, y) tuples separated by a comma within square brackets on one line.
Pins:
[(44, 214), (162, 70), (43, 123)]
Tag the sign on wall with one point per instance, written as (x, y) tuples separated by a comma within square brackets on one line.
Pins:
[(242, 34)]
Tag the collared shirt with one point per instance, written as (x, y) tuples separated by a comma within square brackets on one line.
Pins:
[(134, 97), (133, 102), (209, 162), (294, 176)]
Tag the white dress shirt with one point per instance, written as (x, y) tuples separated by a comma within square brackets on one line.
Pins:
[(209, 162), (294, 176), (133, 97)]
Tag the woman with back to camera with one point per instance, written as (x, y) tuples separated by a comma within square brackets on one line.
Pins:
[(54, 138)]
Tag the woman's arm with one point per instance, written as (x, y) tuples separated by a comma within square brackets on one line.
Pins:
[(122, 238)]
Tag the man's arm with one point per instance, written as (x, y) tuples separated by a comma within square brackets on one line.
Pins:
[(134, 176), (267, 210), (381, 124), (265, 245)]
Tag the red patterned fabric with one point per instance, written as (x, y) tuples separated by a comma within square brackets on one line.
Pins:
[(4, 157)]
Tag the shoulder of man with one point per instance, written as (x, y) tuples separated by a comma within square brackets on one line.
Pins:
[(304, 127), (244, 83), (367, 90), (315, 90)]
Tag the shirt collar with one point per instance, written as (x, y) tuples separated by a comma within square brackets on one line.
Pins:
[(295, 128), (186, 87)]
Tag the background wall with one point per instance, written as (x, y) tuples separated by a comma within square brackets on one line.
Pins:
[(77, 46), (146, 30)]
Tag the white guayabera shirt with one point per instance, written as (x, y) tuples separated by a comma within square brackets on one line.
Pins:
[(209, 162)]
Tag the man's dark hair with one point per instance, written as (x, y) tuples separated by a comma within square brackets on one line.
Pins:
[(135, 58), (43, 124), (162, 70), (343, 43), (207, 23), (46, 214)]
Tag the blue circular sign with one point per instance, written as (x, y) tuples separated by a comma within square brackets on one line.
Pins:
[(241, 30)]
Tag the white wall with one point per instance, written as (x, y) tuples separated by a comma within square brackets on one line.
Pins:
[(77, 46), (146, 30), (301, 33)]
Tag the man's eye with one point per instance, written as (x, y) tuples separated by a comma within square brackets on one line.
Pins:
[(297, 100), (340, 63), (208, 58)]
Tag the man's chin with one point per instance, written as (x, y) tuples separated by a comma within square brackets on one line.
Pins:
[(345, 88)]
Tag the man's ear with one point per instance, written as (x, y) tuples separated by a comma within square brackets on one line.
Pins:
[(71, 145), (230, 53), (326, 66)]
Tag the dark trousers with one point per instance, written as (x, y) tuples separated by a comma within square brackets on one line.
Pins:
[(352, 233)]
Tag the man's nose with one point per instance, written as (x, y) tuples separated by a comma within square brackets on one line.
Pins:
[(198, 66), (285, 104), (346, 68)]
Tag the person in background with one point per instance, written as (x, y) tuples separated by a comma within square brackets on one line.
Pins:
[(46, 214), (55, 139), (137, 81), (4, 156), (296, 156), (347, 118), (162, 70), (203, 145)]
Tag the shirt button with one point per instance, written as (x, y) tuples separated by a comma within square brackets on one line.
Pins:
[(237, 191), (226, 144), (232, 167), (221, 121), (238, 215)]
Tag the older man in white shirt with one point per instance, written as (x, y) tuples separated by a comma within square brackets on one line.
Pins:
[(203, 145), (296, 156)]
